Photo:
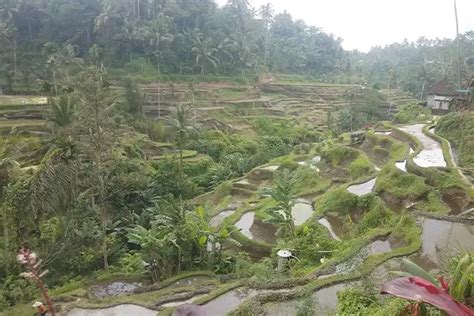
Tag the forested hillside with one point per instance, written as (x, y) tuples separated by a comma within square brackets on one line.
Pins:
[(182, 37), (197, 37)]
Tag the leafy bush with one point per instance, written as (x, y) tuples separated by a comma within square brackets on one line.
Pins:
[(18, 290), (3, 301), (245, 268), (411, 113), (306, 307), (132, 263), (458, 128), (377, 216), (272, 147), (355, 302)]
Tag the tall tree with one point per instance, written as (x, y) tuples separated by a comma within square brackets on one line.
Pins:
[(95, 121)]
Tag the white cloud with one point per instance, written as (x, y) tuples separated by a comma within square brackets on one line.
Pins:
[(366, 23)]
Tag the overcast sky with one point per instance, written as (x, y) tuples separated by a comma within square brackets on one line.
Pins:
[(366, 23)]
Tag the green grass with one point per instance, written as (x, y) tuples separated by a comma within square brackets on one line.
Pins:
[(360, 167), (410, 187), (458, 128), (387, 147), (336, 200), (408, 138), (412, 113), (400, 184), (338, 155), (147, 74), (6, 100), (20, 123), (23, 125)]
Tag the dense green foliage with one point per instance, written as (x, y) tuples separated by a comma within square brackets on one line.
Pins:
[(196, 37), (107, 190), (411, 113), (155, 38), (415, 66), (458, 128)]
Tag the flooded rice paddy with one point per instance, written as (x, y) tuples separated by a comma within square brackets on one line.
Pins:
[(363, 188), (301, 211), (432, 154)]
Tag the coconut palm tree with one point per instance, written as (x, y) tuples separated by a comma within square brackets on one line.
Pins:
[(183, 128), (62, 110), (7, 166), (205, 52)]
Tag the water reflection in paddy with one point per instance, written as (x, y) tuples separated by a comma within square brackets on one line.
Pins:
[(244, 224), (255, 229), (432, 154), (325, 222), (219, 218), (301, 211), (443, 240), (401, 165), (324, 302), (363, 188)]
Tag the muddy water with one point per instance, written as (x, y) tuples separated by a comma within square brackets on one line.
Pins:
[(376, 247), (441, 241), (189, 281), (402, 165), (114, 289), (271, 168), (324, 301), (432, 154), (363, 188), (120, 310), (327, 224), (219, 218), (256, 229), (301, 211), (244, 224), (244, 182), (179, 303), (227, 302)]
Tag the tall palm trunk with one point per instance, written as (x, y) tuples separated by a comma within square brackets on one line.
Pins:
[(6, 244), (15, 56), (458, 47)]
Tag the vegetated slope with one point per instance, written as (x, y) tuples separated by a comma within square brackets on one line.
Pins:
[(458, 128), (231, 107)]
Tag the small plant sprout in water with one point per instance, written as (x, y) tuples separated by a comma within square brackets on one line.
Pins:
[(33, 266)]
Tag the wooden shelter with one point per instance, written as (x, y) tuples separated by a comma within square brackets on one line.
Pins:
[(442, 97)]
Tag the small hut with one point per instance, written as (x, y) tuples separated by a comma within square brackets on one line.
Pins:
[(442, 97)]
